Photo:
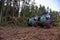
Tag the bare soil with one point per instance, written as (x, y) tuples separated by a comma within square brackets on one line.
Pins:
[(29, 33)]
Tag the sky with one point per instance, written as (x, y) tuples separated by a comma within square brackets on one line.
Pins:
[(53, 4)]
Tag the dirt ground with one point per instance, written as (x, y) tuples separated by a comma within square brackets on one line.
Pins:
[(29, 33)]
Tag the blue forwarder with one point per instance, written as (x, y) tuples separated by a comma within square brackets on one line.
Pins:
[(45, 20)]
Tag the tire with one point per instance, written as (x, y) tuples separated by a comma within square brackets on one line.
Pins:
[(34, 24), (29, 24)]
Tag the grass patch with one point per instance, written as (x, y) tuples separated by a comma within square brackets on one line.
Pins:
[(58, 19)]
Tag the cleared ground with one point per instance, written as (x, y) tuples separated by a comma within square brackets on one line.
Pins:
[(29, 33)]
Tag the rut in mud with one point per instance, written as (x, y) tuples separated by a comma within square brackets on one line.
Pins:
[(30, 33)]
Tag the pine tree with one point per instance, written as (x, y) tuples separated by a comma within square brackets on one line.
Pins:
[(41, 10)]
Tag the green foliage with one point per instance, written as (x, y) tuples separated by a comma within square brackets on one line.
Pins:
[(8, 11), (58, 19), (26, 12), (41, 10)]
